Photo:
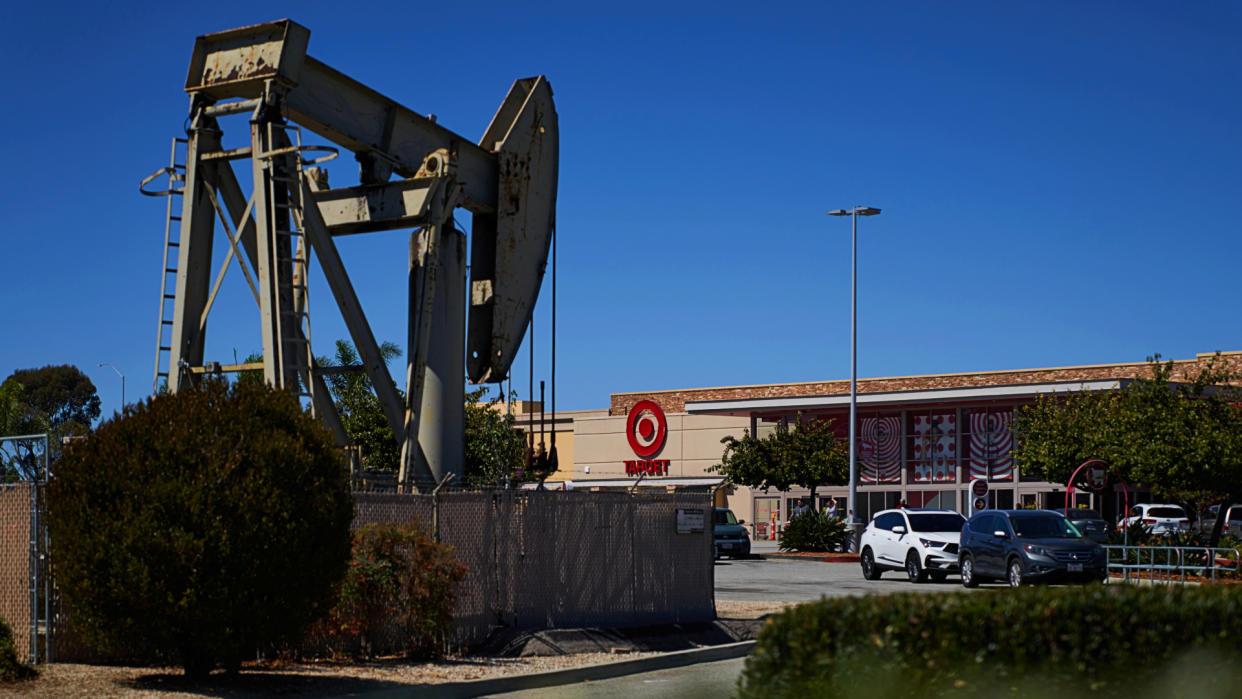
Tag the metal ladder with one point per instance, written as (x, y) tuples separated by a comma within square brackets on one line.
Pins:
[(292, 248), (172, 244)]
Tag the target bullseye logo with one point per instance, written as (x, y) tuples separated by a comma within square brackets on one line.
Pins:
[(646, 428)]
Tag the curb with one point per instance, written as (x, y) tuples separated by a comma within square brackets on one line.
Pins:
[(834, 558), (498, 685)]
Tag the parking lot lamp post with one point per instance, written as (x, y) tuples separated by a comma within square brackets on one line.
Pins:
[(854, 524), (118, 373)]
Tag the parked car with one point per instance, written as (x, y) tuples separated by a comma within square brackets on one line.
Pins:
[(1091, 523), (731, 538), (921, 542), (1027, 545), (1233, 521), (1161, 520)]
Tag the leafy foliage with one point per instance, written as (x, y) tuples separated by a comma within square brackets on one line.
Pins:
[(495, 447), (10, 668), (62, 394), (1108, 638), (359, 408), (808, 455), (813, 531), (398, 595), (1181, 439), (201, 526)]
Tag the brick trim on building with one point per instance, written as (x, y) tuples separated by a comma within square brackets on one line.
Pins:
[(674, 400)]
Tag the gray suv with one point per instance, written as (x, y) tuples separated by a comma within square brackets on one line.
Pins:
[(1026, 545)]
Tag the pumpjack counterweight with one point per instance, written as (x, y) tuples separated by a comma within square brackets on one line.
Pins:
[(413, 174)]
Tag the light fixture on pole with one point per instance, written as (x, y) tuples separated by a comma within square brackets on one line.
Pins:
[(855, 212), (118, 373)]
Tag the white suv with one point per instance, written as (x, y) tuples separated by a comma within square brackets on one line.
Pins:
[(1161, 520), (921, 542)]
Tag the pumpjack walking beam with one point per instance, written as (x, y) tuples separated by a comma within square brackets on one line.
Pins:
[(507, 181)]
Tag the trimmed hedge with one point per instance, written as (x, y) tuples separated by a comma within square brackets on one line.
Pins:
[(1101, 638), (201, 527), (11, 669)]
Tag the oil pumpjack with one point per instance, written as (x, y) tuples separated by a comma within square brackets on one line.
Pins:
[(413, 174)]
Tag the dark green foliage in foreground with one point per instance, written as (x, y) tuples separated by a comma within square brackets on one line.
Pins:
[(1102, 638), (201, 526), (10, 668), (812, 531), (398, 596)]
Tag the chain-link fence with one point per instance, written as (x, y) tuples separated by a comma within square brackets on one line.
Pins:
[(549, 559), (25, 583), (537, 559)]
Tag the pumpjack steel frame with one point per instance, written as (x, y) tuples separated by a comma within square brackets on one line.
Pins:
[(507, 182)]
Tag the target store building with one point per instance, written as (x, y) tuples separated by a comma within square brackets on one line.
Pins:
[(921, 439)]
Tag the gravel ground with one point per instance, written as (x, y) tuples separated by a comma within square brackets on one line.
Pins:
[(318, 679)]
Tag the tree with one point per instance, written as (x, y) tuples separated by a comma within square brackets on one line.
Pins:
[(61, 393), (495, 447), (808, 455), (359, 408), (1181, 439), (202, 526)]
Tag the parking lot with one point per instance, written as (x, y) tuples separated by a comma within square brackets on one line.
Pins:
[(790, 580)]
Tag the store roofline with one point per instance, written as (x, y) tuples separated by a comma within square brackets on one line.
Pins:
[(702, 482), (1116, 365), (939, 395)]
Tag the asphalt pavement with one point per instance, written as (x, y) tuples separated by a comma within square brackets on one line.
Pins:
[(753, 580), (793, 580)]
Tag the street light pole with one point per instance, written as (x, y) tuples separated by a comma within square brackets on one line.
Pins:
[(118, 373), (854, 524)]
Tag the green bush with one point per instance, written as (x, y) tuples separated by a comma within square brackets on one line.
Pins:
[(11, 669), (397, 596), (813, 531), (1103, 637), (201, 527)]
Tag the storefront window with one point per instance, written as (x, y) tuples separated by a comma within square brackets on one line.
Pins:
[(872, 503), (989, 444), (879, 448), (933, 447), (933, 499)]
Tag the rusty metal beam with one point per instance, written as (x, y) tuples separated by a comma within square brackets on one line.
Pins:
[(351, 311), (230, 192), (188, 337), (368, 208)]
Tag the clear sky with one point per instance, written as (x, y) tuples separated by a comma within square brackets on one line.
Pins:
[(1060, 181)]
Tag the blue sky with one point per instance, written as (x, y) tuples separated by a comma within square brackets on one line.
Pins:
[(1060, 181)]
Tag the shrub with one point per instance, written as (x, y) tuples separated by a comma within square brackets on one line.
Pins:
[(11, 669), (812, 531), (1102, 637), (397, 596), (200, 527)]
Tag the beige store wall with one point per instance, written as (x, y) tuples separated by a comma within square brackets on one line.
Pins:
[(692, 446)]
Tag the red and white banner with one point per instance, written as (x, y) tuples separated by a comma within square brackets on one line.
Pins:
[(991, 445), (879, 449), (933, 456)]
